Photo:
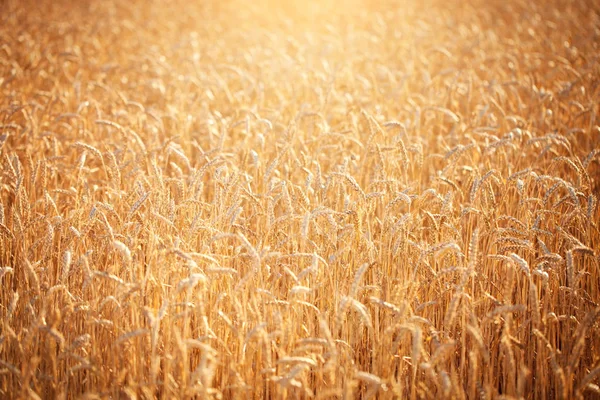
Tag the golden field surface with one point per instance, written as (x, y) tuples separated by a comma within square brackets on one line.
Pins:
[(299, 200)]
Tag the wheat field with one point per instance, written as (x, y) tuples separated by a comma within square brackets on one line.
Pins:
[(329, 200)]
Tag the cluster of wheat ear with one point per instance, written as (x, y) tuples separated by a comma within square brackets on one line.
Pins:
[(228, 199)]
